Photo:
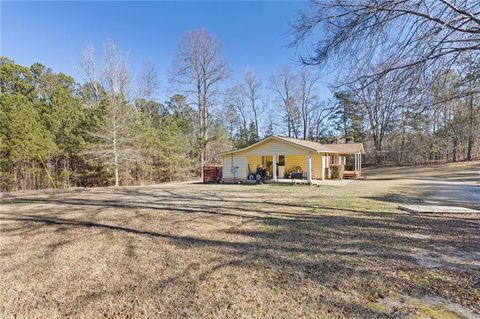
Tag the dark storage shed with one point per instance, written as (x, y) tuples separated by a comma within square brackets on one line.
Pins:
[(212, 173)]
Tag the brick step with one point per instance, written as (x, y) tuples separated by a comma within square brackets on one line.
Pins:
[(351, 175)]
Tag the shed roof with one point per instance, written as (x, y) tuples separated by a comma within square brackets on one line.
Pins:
[(344, 148)]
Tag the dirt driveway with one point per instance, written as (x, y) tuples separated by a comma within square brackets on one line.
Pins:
[(456, 184), (239, 251)]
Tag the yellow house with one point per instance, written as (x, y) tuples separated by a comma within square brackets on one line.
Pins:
[(280, 156)]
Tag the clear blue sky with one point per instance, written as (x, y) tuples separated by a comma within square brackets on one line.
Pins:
[(254, 34)]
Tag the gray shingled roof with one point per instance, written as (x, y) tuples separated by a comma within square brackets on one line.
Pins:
[(344, 148)]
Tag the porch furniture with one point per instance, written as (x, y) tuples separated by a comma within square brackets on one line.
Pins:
[(298, 175)]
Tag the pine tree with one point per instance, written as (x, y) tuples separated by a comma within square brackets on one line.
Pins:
[(23, 141)]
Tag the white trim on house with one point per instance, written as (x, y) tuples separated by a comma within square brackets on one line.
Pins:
[(264, 140), (311, 146)]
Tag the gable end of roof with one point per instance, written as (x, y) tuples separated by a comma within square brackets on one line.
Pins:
[(345, 148)]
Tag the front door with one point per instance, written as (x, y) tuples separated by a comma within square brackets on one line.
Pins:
[(281, 166)]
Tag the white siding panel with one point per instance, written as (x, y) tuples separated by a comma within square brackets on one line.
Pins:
[(317, 166), (239, 161)]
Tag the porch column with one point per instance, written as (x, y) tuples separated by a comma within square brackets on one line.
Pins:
[(322, 157), (356, 162), (360, 162), (274, 167), (309, 169)]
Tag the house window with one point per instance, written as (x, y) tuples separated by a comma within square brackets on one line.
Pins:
[(281, 160)]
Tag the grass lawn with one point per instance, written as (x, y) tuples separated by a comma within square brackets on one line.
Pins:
[(241, 251)]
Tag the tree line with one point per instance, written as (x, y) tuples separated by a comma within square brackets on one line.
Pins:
[(57, 133), (408, 79), (407, 85)]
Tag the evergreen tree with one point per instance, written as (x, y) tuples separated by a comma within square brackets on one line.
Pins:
[(24, 142), (348, 118)]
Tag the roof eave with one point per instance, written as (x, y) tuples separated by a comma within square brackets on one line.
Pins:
[(264, 140)]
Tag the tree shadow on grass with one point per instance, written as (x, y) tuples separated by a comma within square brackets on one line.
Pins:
[(263, 210), (348, 252), (305, 227)]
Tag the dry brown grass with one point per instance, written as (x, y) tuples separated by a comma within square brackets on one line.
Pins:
[(234, 251)]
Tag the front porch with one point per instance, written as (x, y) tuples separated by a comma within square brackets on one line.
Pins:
[(309, 168), (318, 182)]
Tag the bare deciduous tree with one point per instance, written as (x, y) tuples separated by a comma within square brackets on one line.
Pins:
[(198, 67), (87, 70), (472, 94), (236, 102), (147, 90), (283, 85), (307, 84), (117, 78), (252, 89), (320, 115), (148, 84), (402, 34), (113, 146), (382, 102)]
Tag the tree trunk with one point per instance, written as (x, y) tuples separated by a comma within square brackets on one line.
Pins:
[(67, 169), (377, 142), (345, 128), (289, 125), (200, 121), (15, 179), (205, 124), (454, 153), (305, 128), (256, 122), (402, 146), (115, 151), (470, 141)]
